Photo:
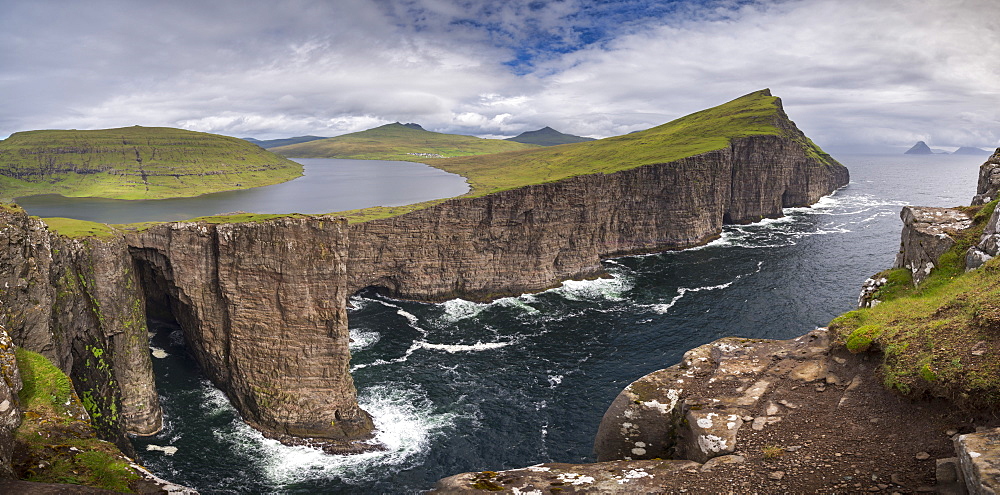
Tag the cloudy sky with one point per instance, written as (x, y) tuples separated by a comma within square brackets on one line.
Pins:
[(850, 72)]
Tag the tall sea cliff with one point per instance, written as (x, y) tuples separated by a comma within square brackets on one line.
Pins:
[(262, 303)]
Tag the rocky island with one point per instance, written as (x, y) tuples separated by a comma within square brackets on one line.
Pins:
[(262, 299)]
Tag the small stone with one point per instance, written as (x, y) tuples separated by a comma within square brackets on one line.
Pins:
[(873, 420), (772, 409), (840, 360), (896, 478), (832, 379), (952, 432), (787, 404), (874, 489), (922, 456), (838, 454), (882, 486), (758, 423), (747, 419), (776, 475), (793, 448)]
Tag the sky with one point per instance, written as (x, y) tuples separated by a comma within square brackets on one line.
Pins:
[(855, 74)]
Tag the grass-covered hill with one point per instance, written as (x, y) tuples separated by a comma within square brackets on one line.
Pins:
[(548, 136), (757, 113), (398, 141), (135, 163), (942, 338)]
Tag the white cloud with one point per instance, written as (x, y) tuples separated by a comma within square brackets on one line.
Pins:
[(849, 72)]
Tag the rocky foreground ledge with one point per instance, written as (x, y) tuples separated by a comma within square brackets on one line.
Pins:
[(760, 416)]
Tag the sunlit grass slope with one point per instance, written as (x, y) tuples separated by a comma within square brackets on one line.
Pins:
[(942, 338), (757, 113), (398, 142), (135, 163)]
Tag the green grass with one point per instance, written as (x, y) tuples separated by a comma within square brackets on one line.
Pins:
[(755, 114), (941, 338), (134, 163), (398, 142), (53, 445), (46, 388), (69, 227)]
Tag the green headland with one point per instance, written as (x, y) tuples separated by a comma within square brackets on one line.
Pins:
[(406, 142), (134, 163), (757, 113)]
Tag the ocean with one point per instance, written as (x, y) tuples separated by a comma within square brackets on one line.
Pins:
[(464, 386)]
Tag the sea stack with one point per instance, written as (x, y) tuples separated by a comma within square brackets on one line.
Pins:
[(920, 148)]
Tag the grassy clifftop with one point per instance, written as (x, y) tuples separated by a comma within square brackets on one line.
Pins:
[(757, 113), (135, 163), (941, 338), (398, 142)]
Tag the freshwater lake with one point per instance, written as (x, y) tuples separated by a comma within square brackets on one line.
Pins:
[(328, 185)]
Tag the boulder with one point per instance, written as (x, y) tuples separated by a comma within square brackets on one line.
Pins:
[(927, 234)]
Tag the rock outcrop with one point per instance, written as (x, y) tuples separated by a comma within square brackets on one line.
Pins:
[(78, 302), (989, 180), (927, 234), (979, 461), (533, 237), (10, 407), (263, 308)]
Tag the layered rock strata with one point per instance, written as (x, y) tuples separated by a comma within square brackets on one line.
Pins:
[(989, 180), (533, 237), (263, 308), (78, 302), (10, 408)]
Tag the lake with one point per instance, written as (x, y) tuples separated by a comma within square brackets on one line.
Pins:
[(328, 185)]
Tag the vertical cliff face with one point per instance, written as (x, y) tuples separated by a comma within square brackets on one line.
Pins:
[(77, 301), (533, 237), (263, 308)]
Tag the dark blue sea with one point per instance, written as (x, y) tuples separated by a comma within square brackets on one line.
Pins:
[(463, 386)]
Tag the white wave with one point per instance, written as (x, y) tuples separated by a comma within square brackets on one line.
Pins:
[(555, 380), (405, 423), (460, 309), (453, 348), (609, 289), (682, 291), (362, 339)]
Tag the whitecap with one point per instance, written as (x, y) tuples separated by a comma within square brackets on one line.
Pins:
[(460, 309), (609, 288), (363, 339), (453, 348), (682, 291), (555, 380)]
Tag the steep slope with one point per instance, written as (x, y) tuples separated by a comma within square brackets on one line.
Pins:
[(408, 142), (548, 136), (544, 216), (755, 114), (920, 148), (135, 163)]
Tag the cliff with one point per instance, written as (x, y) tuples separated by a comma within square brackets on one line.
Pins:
[(78, 302), (263, 308), (533, 237)]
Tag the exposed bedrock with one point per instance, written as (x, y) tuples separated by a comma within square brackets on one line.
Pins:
[(927, 233), (989, 180), (78, 303), (263, 308), (530, 238)]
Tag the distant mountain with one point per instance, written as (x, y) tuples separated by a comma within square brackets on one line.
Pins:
[(920, 148), (274, 143), (969, 150), (398, 142), (547, 136)]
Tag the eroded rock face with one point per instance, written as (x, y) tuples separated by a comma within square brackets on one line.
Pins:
[(601, 477), (263, 307), (979, 460), (530, 238), (694, 409), (78, 302), (10, 410), (927, 234), (989, 180)]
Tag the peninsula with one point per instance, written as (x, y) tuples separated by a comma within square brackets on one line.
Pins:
[(262, 300)]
